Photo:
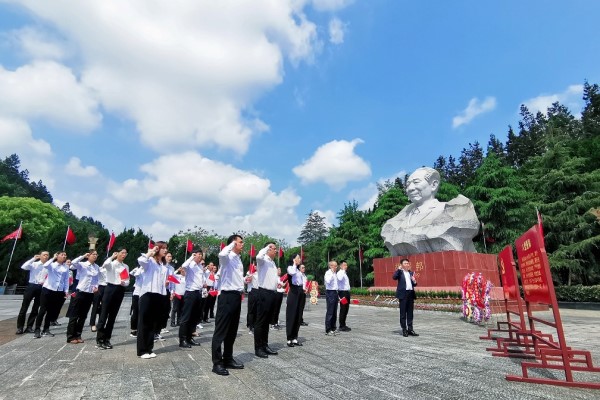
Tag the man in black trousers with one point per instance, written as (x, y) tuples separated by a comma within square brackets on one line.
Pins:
[(229, 306), (37, 275), (405, 292), (266, 300)]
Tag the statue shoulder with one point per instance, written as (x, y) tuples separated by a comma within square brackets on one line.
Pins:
[(461, 206)]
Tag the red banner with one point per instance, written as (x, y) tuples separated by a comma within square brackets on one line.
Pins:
[(508, 274), (111, 241), (14, 235)]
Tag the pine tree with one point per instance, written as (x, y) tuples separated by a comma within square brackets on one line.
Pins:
[(314, 229)]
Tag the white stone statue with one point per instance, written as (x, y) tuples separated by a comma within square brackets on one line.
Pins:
[(428, 225)]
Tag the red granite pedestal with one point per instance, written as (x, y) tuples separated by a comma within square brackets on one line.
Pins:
[(444, 270)]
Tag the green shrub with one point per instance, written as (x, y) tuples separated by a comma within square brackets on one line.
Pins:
[(578, 293)]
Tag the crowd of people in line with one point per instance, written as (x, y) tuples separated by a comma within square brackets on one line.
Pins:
[(184, 296)]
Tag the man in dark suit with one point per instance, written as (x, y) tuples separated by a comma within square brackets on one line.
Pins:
[(405, 293)]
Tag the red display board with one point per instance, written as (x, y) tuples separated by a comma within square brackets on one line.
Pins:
[(535, 270), (508, 274)]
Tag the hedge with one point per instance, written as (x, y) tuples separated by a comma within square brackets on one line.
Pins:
[(578, 293), (430, 294)]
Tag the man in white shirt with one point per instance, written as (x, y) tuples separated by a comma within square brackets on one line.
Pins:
[(265, 303), (343, 293), (331, 294), (229, 306), (37, 275), (191, 313)]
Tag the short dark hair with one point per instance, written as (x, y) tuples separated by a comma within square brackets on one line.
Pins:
[(404, 259), (233, 237), (270, 242)]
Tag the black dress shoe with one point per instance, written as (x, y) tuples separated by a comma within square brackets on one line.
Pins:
[(345, 329), (184, 343), (412, 333), (29, 330), (232, 364), (107, 345), (405, 333), (19, 331), (37, 334), (270, 351), (192, 342), (261, 353), (47, 333), (303, 323), (297, 344), (220, 370), (55, 323), (290, 344)]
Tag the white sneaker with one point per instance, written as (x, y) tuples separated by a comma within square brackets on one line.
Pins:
[(164, 330), (199, 326), (152, 355), (147, 356), (250, 332)]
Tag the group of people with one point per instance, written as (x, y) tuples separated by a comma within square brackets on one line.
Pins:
[(187, 297)]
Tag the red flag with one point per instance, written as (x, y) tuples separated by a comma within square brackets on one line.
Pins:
[(343, 301), (280, 252), (301, 254), (213, 292), (177, 295), (252, 269), (150, 244), (252, 251), (14, 235), (355, 301), (70, 280), (70, 236), (284, 278), (124, 274), (222, 245), (111, 241), (211, 277), (189, 246), (73, 294), (172, 278)]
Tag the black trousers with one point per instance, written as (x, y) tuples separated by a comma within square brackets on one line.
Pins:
[(266, 301), (406, 306), (293, 311), (332, 299), (277, 308), (111, 302), (176, 310), (209, 305), (97, 304), (344, 307), (251, 315), (151, 311), (302, 305), (226, 325), (81, 306), (32, 292), (134, 312), (191, 306), (50, 304), (166, 307)]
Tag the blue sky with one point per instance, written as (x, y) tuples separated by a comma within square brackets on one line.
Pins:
[(249, 114)]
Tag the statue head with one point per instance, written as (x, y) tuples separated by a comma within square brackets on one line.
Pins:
[(422, 185)]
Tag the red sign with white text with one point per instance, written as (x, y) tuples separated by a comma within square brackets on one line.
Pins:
[(535, 269)]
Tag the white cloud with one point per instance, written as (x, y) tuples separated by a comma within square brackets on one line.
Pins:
[(37, 44), (570, 97), (336, 31), (207, 193), (475, 108), (48, 91), (335, 164), (75, 168), (329, 215), (190, 72), (35, 154)]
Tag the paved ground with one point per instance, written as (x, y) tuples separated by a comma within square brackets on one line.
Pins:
[(447, 361)]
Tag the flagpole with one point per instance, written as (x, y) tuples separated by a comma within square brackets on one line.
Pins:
[(12, 252), (360, 264), (66, 235), (483, 232)]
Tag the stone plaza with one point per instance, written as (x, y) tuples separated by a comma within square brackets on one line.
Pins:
[(373, 361)]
